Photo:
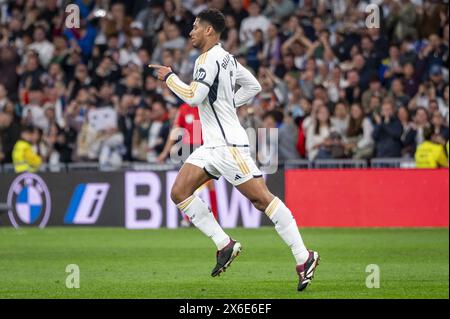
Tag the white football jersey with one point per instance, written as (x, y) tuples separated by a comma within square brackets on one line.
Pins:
[(220, 71)]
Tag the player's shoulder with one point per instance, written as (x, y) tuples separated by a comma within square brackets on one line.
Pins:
[(212, 56)]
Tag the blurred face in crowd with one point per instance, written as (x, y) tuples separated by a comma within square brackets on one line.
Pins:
[(172, 32), (81, 72), (437, 120), (288, 61), (167, 57), (408, 70), (374, 104), (35, 97), (387, 109), (5, 120), (118, 11), (353, 78), (446, 94), (39, 35), (336, 74), (236, 5), (394, 52), (356, 111), (34, 137), (230, 22), (150, 83), (375, 86), (421, 117), (32, 62), (366, 44), (323, 115), (318, 24), (403, 115), (316, 105), (269, 122), (253, 9), (258, 36), (305, 105), (298, 49), (144, 57), (158, 111), (340, 111), (82, 97), (359, 61), (139, 117), (433, 106), (397, 86), (291, 81), (15, 25), (272, 31), (54, 69), (435, 41)]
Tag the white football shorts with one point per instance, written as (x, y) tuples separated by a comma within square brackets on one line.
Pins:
[(233, 163)]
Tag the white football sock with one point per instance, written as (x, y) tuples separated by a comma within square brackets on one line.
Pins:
[(201, 216), (287, 228)]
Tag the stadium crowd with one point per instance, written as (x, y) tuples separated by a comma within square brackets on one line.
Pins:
[(332, 86)]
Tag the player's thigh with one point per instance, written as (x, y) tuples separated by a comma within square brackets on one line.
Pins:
[(257, 192), (189, 178)]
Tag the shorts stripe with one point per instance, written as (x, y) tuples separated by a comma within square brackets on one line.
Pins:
[(239, 161)]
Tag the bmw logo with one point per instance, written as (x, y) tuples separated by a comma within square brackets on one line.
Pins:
[(29, 200)]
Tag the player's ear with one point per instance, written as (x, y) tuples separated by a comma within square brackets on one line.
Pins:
[(209, 30)]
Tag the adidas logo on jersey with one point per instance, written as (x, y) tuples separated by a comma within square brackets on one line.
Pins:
[(237, 177)]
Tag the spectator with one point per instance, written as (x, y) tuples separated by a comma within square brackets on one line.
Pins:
[(317, 135), (25, 159), (9, 134), (397, 93), (158, 132), (140, 134), (440, 132), (430, 154), (375, 89), (253, 22), (42, 46), (407, 138), (387, 132), (340, 119), (312, 56), (359, 143)]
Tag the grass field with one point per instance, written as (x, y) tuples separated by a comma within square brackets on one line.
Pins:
[(120, 263)]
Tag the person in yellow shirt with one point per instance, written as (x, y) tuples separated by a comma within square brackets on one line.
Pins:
[(25, 159), (430, 154)]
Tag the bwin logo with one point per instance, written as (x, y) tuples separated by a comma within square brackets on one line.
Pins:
[(86, 203)]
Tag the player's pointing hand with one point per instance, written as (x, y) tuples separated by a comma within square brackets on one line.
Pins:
[(162, 70)]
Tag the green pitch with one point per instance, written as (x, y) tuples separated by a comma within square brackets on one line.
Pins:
[(120, 263)]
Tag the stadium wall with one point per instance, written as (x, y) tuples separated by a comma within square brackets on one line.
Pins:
[(135, 200), (369, 198), (140, 199)]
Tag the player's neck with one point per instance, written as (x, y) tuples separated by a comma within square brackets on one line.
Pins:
[(210, 45)]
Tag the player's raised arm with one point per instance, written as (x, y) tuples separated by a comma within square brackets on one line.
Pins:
[(193, 94), (249, 86)]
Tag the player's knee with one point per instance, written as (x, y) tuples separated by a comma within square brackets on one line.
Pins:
[(262, 202), (178, 194)]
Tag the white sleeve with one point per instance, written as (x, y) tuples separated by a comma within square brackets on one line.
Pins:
[(193, 94), (204, 75), (249, 86)]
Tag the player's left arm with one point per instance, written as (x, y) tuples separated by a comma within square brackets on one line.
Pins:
[(249, 86), (193, 94)]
